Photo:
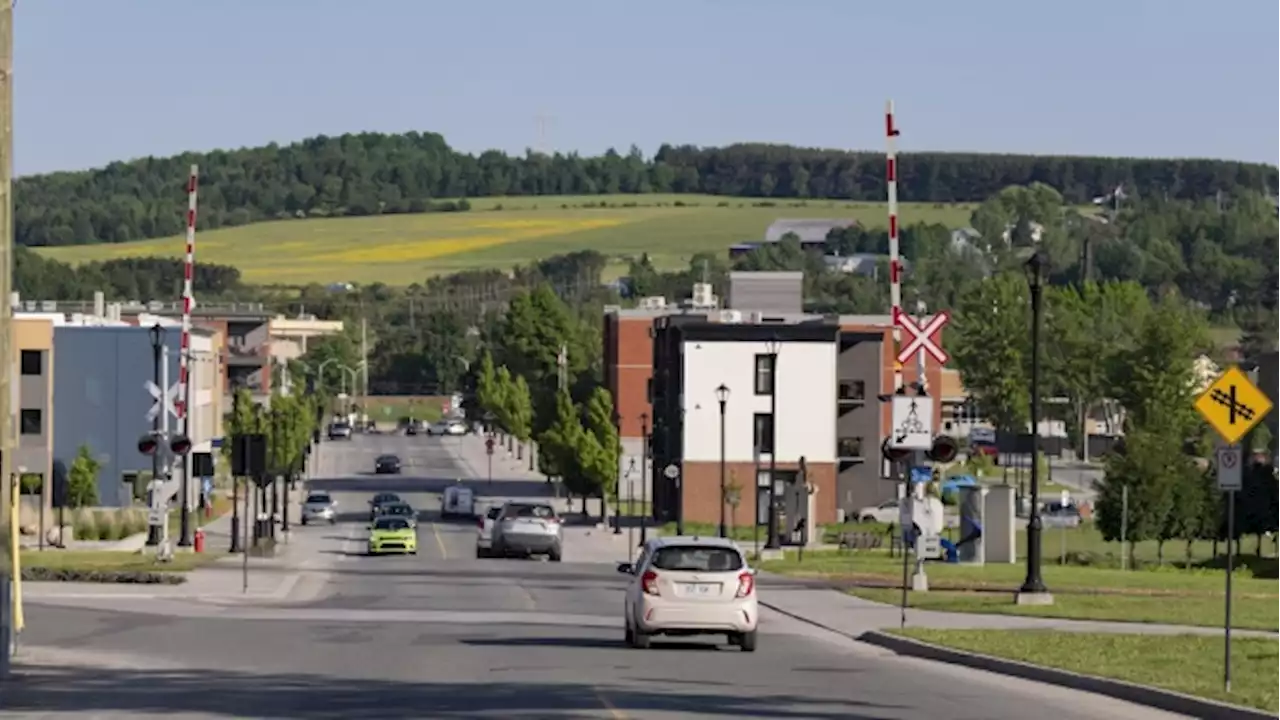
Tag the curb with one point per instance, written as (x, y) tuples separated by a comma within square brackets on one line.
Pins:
[(1167, 700)]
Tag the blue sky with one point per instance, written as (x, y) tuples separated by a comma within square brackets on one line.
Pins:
[(101, 80)]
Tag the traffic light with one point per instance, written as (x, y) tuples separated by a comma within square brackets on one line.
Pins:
[(180, 445), (148, 444), (944, 449)]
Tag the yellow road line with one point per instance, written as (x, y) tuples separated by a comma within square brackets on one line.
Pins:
[(435, 530), (614, 712)]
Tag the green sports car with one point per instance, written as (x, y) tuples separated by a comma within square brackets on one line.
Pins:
[(392, 534)]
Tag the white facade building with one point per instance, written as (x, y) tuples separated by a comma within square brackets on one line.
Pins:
[(806, 392)]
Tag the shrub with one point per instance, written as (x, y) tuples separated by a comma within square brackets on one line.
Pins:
[(132, 522), (84, 525), (127, 577), (108, 528)]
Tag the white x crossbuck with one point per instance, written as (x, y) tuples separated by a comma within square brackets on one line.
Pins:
[(923, 337)]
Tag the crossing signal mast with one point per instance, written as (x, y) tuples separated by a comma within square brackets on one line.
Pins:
[(175, 445), (912, 426)]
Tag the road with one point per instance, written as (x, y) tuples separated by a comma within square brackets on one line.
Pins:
[(444, 635)]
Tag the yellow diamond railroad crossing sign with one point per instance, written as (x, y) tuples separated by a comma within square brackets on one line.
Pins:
[(1233, 405)]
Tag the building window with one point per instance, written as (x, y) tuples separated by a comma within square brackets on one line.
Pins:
[(764, 374), (849, 447), (763, 436), (853, 390), (32, 421), (32, 362)]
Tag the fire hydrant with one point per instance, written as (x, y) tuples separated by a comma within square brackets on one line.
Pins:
[(199, 540)]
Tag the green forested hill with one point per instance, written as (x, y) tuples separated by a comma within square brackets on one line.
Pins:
[(369, 173)]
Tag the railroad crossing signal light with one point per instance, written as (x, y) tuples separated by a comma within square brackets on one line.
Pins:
[(944, 449), (148, 444), (180, 445), (893, 454)]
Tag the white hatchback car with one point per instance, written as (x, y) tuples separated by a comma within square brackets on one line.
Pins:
[(691, 586)]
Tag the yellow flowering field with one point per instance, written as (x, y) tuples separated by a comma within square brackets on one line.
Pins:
[(497, 232)]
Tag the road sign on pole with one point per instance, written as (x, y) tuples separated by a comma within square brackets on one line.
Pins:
[(924, 337), (1230, 475), (1233, 405), (165, 400), (912, 426)]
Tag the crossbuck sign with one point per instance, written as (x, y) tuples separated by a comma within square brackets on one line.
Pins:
[(162, 399), (924, 337)]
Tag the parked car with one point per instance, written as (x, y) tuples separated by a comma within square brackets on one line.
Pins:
[(319, 507), (527, 529), (691, 586), (484, 533), (448, 427), (1057, 515), (387, 465), (885, 512)]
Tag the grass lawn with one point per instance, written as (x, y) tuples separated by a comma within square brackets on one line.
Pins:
[(386, 410), (113, 560), (1154, 595), (499, 232), (1184, 663)]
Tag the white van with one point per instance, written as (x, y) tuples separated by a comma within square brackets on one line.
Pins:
[(458, 501)]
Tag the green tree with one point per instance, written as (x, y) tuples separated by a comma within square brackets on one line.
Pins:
[(518, 410), (1152, 378), (1146, 465), (489, 391), (563, 447), (82, 479), (601, 468), (990, 342)]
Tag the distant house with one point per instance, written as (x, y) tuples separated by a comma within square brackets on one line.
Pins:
[(965, 237), (809, 230), (864, 264)]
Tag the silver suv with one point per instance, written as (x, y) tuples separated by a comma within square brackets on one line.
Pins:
[(319, 507), (527, 529)]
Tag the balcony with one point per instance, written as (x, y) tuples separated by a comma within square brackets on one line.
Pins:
[(849, 449), (240, 352), (851, 392)]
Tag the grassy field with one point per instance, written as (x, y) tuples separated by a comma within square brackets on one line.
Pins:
[(1183, 663), (1089, 585), (387, 409), (499, 232)]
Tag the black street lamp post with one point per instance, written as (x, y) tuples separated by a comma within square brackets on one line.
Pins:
[(773, 542), (617, 494), (1037, 268), (722, 397), (157, 459), (644, 478)]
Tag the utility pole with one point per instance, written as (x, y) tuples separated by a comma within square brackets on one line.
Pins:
[(364, 363), (6, 246)]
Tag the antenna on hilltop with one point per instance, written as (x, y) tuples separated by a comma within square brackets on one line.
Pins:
[(543, 121)]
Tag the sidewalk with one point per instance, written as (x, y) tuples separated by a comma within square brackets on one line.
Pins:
[(469, 451), (852, 616)]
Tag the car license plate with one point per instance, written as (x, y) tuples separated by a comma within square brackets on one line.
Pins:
[(700, 589)]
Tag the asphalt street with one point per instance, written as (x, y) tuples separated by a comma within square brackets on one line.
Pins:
[(445, 635)]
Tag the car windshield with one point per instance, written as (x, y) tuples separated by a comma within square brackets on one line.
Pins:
[(384, 499), (388, 459), (697, 558), (318, 499), (398, 510), (493, 513), (391, 523), (530, 511)]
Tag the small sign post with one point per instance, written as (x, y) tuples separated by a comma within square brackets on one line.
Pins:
[(1232, 405)]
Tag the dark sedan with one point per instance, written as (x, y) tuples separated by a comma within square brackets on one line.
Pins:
[(379, 501), (387, 465)]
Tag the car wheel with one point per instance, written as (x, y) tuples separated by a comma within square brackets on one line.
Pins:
[(629, 637), (333, 521), (747, 641), (639, 640), (868, 518), (554, 555), (304, 521)]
